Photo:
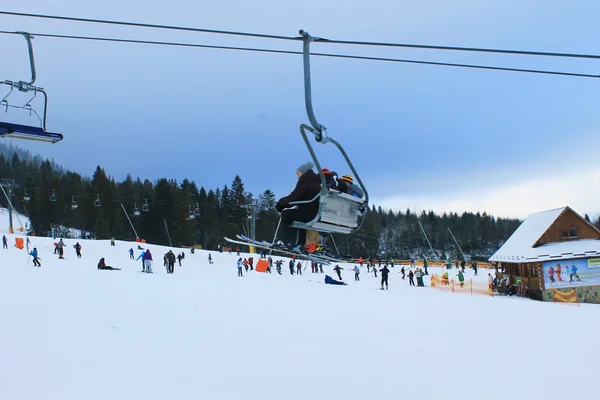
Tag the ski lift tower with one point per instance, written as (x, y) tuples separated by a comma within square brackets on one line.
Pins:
[(7, 186)]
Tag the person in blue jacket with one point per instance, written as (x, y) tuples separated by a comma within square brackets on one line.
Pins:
[(330, 281), (36, 261)]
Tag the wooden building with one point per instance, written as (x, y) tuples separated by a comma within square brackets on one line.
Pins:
[(554, 249)]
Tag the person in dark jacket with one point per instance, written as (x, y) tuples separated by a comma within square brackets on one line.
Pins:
[(384, 277), (179, 258), (77, 249), (338, 269), (308, 186), (291, 265), (102, 265), (330, 281), (332, 181), (411, 281), (170, 262)]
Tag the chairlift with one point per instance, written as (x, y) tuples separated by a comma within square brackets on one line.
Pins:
[(191, 215), (197, 210), (338, 212), (136, 211), (31, 132), (73, 203), (97, 201), (26, 196), (52, 196), (146, 207)]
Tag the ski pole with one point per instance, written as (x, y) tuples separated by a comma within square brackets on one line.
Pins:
[(276, 231)]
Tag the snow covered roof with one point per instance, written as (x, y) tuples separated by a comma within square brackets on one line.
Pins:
[(519, 247)]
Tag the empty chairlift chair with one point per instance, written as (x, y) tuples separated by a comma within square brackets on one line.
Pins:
[(29, 131)]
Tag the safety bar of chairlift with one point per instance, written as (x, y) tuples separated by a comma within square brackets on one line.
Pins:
[(324, 189), (34, 88)]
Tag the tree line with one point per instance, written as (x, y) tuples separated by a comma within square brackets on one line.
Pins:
[(65, 203)]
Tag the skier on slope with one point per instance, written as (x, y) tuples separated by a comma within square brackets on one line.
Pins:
[(356, 273), (61, 249), (384, 277), (131, 257), (36, 260), (240, 264), (171, 262), (338, 270), (141, 256), (77, 249), (307, 188), (147, 261), (4, 242)]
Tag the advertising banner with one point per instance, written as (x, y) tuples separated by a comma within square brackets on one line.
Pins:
[(571, 273)]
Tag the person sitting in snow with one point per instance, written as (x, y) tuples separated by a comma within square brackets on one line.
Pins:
[(330, 281), (102, 265)]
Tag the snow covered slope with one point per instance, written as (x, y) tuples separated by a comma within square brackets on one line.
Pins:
[(70, 331)]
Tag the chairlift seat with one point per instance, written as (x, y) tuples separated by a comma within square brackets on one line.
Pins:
[(28, 132), (338, 213)]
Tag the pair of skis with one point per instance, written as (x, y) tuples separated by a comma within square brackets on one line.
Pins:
[(246, 241)]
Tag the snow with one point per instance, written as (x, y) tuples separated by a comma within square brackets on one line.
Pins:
[(519, 247), (70, 331)]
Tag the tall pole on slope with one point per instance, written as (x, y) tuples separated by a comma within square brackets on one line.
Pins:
[(8, 184), (130, 223), (461, 252), (169, 236), (426, 238)]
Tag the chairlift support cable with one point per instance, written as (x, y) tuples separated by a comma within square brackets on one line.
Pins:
[(330, 55), (321, 40)]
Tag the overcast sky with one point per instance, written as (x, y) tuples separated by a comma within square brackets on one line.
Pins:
[(421, 137)]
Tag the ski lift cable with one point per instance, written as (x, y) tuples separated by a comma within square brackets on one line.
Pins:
[(292, 38), (330, 55)]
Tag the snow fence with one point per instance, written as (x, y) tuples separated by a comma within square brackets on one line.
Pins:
[(468, 286)]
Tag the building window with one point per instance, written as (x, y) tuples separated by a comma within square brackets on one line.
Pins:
[(569, 233)]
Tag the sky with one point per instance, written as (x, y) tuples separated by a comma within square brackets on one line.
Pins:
[(420, 137)]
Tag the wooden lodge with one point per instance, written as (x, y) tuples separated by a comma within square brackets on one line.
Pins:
[(554, 249)]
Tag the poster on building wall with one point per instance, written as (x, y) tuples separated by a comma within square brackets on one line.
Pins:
[(571, 273)]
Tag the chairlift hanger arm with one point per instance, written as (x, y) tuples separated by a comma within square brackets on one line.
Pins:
[(319, 131), (24, 86)]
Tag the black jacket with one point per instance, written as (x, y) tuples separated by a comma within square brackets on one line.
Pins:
[(384, 272), (308, 186), (171, 258)]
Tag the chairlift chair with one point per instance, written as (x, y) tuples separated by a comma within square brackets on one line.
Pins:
[(97, 201), (338, 212), (13, 130), (26, 196), (197, 210), (191, 215), (145, 207), (136, 211), (73, 204), (52, 196)]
